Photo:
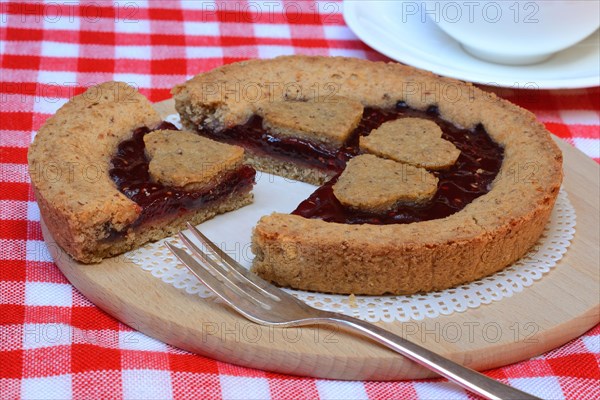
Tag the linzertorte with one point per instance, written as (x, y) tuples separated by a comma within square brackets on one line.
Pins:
[(497, 170), (109, 175)]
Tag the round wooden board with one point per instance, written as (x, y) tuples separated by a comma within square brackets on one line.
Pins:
[(559, 307)]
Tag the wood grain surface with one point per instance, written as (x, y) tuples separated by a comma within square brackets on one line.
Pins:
[(559, 307)]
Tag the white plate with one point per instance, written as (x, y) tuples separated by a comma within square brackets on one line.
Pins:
[(417, 41)]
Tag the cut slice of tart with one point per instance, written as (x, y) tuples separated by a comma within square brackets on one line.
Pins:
[(498, 173), (109, 176)]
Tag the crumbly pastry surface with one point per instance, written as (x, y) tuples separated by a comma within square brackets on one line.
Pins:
[(69, 163), (185, 159), (329, 120), (413, 141), (488, 234), (376, 185)]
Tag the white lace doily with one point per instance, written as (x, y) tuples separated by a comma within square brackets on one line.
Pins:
[(157, 259)]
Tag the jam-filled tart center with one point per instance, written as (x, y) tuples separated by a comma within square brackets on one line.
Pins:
[(469, 177), (132, 175)]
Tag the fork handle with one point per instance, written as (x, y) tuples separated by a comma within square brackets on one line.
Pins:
[(463, 376)]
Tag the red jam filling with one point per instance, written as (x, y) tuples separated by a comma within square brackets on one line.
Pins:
[(469, 178), (130, 173), (253, 137)]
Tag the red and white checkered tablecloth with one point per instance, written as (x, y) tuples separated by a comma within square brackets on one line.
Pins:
[(54, 343)]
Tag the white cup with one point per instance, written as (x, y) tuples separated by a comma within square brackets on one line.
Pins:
[(515, 32)]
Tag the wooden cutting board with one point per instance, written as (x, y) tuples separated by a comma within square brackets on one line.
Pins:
[(559, 307)]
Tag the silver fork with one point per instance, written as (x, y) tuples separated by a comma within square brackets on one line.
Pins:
[(265, 304)]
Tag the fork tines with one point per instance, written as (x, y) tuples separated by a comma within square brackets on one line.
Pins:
[(223, 271)]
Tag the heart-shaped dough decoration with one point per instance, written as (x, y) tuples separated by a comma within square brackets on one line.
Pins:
[(413, 141), (373, 184), (326, 120), (185, 159)]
